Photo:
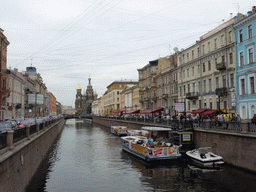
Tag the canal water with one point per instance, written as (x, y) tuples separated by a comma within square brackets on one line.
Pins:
[(88, 157)]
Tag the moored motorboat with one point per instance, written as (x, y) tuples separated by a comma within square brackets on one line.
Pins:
[(204, 157), (149, 149), (137, 133), (119, 130)]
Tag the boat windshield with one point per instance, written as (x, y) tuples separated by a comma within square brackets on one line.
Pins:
[(204, 150)]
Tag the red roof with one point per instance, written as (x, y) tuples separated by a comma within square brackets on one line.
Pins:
[(118, 111), (198, 111), (156, 110), (132, 112), (208, 112)]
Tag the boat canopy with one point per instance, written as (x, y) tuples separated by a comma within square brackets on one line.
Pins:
[(156, 129)]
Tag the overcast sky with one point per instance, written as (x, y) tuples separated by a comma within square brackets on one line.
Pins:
[(107, 40)]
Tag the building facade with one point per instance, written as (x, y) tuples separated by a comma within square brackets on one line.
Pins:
[(245, 36), (206, 71), (4, 81), (53, 108)]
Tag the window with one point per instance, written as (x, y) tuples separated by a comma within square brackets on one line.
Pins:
[(204, 86), (199, 86), (194, 87), (117, 99), (250, 55), (222, 40), (216, 62), (210, 85), (209, 46), (188, 72), (117, 86), (241, 36), (199, 69), (184, 73), (232, 80), (198, 52), (215, 43), (223, 59), (180, 76), (184, 89), (241, 58), (216, 82), (209, 65), (188, 88), (224, 80), (249, 31), (193, 71), (230, 36), (203, 67), (183, 57), (252, 85), (193, 54), (117, 92), (180, 91), (231, 58), (242, 86), (203, 50), (187, 56), (180, 60)]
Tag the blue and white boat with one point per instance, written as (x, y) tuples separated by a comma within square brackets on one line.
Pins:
[(158, 149)]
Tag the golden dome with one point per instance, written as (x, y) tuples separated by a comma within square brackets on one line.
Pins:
[(78, 88)]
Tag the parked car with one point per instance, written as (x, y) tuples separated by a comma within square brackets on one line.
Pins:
[(8, 125), (24, 123)]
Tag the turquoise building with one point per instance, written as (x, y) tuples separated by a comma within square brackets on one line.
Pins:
[(245, 42)]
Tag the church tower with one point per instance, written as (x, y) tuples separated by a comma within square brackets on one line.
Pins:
[(79, 100)]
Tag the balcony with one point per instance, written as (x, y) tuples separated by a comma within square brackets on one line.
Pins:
[(5, 93), (221, 66), (153, 84), (222, 91), (192, 95), (154, 98), (165, 96)]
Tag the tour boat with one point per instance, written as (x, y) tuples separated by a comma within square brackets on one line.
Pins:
[(160, 149), (204, 157), (119, 130)]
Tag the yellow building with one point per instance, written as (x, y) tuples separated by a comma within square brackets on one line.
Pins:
[(112, 98), (206, 71), (130, 98)]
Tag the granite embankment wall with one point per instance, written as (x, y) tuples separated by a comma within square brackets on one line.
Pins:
[(18, 166), (237, 149), (130, 124)]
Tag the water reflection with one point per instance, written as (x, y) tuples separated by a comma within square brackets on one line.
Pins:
[(89, 158)]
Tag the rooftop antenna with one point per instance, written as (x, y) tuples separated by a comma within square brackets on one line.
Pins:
[(31, 62), (237, 7)]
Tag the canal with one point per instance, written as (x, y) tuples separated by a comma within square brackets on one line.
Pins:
[(88, 157)]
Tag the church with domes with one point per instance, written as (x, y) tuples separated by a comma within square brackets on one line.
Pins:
[(84, 101)]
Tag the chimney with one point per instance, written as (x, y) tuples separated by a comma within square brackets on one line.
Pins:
[(253, 9), (15, 71)]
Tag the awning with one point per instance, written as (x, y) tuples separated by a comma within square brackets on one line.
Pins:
[(208, 112), (198, 111), (156, 110), (118, 111), (132, 112)]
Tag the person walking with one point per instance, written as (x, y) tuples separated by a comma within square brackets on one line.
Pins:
[(220, 118)]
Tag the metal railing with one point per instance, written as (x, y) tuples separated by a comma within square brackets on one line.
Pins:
[(25, 132), (190, 125)]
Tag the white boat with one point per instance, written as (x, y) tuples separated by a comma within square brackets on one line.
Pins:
[(119, 130), (161, 150), (204, 157)]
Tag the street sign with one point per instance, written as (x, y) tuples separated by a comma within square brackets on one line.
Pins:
[(36, 99)]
